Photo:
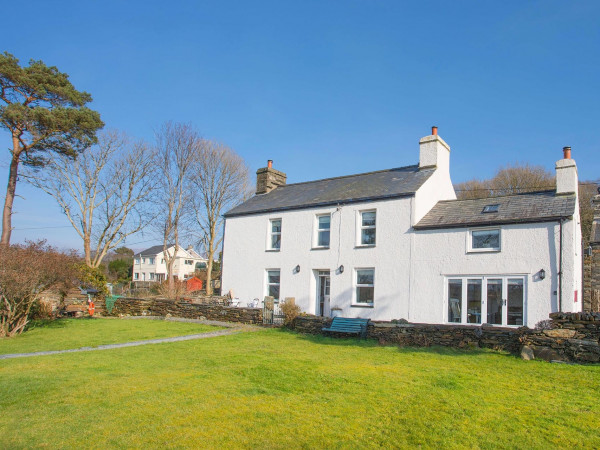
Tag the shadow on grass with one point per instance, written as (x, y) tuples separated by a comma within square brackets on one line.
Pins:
[(48, 323), (366, 343)]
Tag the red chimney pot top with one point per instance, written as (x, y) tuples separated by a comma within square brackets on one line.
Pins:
[(567, 152), (270, 163), (434, 130)]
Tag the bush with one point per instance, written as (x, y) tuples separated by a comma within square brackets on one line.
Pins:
[(27, 271), (290, 311), (173, 290)]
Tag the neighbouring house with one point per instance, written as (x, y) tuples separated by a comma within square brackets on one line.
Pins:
[(150, 265), (396, 244)]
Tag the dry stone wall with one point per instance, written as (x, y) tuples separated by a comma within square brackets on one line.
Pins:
[(184, 309), (572, 337)]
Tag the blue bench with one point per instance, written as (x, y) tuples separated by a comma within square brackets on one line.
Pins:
[(348, 326)]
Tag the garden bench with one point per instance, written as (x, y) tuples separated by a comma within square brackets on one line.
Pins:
[(349, 326)]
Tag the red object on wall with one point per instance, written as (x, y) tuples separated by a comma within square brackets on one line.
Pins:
[(575, 296), (194, 284)]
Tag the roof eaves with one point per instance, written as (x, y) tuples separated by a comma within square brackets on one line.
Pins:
[(492, 223), (321, 204)]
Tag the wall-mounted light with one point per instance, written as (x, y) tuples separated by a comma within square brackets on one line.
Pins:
[(542, 274), (588, 251), (341, 269), (297, 268)]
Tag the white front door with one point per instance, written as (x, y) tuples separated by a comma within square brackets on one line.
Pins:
[(323, 289), (497, 300)]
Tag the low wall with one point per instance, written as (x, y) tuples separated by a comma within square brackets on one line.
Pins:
[(187, 310), (573, 337)]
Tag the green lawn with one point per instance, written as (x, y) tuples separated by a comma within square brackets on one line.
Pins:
[(276, 389), (66, 334)]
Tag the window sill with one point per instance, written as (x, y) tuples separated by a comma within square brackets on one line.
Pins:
[(365, 246), (272, 250), (484, 250), (320, 248), (356, 305)]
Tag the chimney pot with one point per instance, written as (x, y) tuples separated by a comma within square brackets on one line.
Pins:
[(434, 130), (270, 163), (567, 152)]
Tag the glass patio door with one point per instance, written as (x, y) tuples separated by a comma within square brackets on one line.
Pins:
[(497, 300)]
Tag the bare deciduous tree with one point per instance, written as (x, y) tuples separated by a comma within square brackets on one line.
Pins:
[(176, 148), (104, 193), (220, 181), (512, 179)]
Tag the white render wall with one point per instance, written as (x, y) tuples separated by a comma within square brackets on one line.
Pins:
[(180, 269), (525, 250), (246, 259)]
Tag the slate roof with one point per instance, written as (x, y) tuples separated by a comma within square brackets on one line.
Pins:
[(154, 250), (543, 206), (383, 184)]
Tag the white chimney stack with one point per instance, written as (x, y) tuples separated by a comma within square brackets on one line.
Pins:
[(566, 174), (434, 152)]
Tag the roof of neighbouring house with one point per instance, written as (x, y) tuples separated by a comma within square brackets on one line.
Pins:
[(530, 207), (383, 184), (154, 250)]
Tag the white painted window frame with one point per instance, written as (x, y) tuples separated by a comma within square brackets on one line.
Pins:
[(317, 230), (484, 278), (470, 248), (271, 233), (360, 227), (267, 284), (356, 285)]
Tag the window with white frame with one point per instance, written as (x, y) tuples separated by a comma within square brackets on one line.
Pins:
[(492, 299), (273, 283), (151, 260), (143, 260), (136, 276), (189, 262), (367, 222), (151, 276), (274, 234), (485, 240), (365, 286), (323, 230), (137, 260)]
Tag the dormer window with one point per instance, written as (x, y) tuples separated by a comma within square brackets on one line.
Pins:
[(490, 208)]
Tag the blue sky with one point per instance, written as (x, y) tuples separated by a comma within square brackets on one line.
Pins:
[(326, 88)]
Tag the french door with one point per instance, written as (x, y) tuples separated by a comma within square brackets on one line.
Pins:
[(496, 300)]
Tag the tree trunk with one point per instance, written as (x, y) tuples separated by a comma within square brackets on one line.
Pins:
[(10, 194), (209, 265)]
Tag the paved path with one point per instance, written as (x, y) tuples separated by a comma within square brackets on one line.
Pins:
[(231, 329)]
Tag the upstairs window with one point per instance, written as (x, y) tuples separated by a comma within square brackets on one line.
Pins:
[(151, 260), (137, 260), (367, 227), (275, 234), (484, 240), (188, 262), (323, 230)]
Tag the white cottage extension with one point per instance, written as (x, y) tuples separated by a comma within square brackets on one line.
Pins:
[(397, 244)]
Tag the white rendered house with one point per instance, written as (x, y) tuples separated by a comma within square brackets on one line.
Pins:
[(150, 265), (397, 244)]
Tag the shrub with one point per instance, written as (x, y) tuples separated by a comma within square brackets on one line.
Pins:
[(173, 290), (543, 325), (25, 272), (290, 311)]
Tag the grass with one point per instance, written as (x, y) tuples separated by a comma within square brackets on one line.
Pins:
[(276, 389), (66, 334)]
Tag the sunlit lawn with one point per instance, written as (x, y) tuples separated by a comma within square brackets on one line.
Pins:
[(276, 389), (66, 334)]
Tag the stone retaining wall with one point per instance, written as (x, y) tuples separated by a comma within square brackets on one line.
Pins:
[(184, 309), (573, 337)]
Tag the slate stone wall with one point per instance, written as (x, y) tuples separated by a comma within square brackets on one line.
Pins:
[(572, 337), (187, 310), (592, 282)]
